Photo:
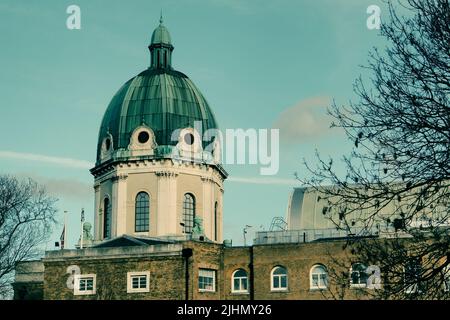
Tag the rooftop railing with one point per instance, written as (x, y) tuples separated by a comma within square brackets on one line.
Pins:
[(308, 235)]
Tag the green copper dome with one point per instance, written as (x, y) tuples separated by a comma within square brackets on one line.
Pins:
[(160, 98), (161, 34)]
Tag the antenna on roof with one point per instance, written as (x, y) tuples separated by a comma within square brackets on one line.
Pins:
[(278, 224), (245, 233)]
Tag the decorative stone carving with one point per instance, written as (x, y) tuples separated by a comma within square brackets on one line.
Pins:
[(207, 179), (197, 229), (142, 139), (166, 174), (189, 143), (107, 147), (88, 238), (119, 177)]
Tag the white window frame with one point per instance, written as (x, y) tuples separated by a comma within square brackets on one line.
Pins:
[(214, 275), (358, 285), (312, 273), (131, 275), (76, 287), (233, 290), (280, 289)]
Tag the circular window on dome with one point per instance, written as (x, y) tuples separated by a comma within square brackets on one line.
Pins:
[(107, 144), (189, 138), (143, 137)]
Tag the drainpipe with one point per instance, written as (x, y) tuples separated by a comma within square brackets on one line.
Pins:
[(252, 275), (186, 253)]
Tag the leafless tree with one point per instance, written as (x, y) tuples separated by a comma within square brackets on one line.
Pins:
[(398, 173), (27, 214)]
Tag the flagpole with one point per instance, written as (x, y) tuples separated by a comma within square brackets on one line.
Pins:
[(82, 224), (65, 228)]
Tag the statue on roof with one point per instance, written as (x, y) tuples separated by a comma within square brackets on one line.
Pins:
[(197, 229)]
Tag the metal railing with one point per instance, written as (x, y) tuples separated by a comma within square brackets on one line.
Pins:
[(307, 235)]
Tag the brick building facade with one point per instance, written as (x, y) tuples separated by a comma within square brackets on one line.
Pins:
[(174, 271)]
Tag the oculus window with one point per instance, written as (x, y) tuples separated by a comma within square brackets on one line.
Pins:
[(143, 137), (189, 138)]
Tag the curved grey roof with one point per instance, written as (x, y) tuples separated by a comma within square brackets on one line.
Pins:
[(305, 210)]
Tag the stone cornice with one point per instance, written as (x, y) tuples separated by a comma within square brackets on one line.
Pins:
[(114, 253)]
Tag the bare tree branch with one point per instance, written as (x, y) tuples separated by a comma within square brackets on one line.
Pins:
[(398, 174), (27, 214)]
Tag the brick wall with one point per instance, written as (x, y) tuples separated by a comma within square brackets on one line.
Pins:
[(111, 278), (167, 271), (298, 259)]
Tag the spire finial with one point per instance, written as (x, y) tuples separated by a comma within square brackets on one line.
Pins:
[(161, 18)]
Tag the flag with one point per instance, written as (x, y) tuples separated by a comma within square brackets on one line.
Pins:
[(63, 235), (82, 229)]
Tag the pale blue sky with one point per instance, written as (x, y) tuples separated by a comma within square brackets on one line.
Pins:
[(259, 63)]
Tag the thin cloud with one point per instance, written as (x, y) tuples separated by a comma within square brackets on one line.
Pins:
[(63, 188), (66, 162), (70, 185), (305, 121), (23, 9), (270, 181)]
